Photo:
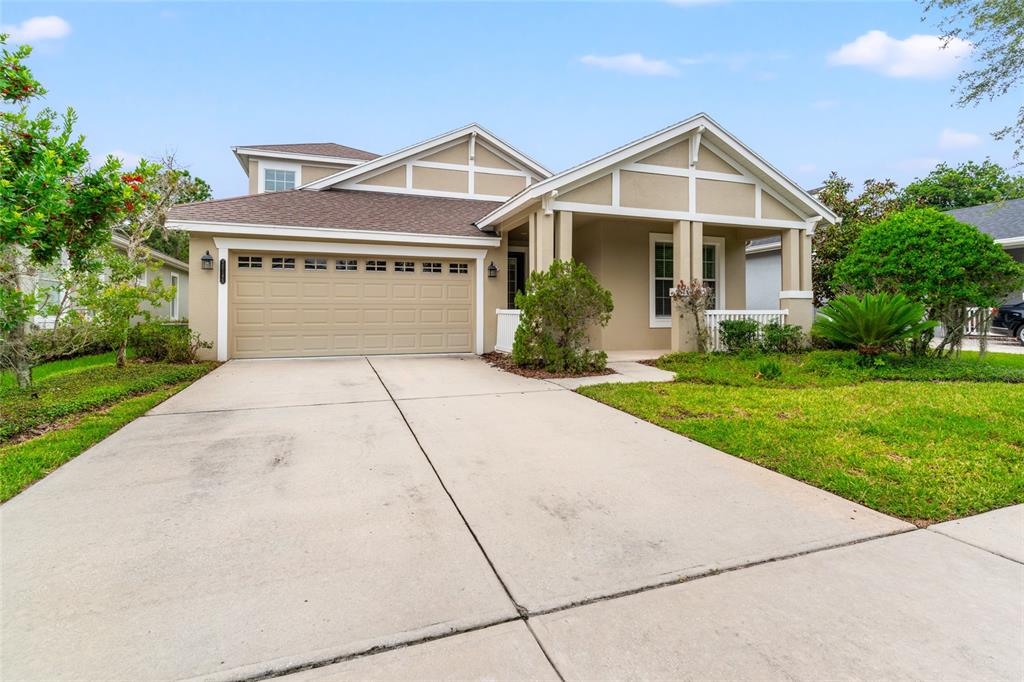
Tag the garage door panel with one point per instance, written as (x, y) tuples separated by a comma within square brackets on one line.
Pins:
[(347, 312)]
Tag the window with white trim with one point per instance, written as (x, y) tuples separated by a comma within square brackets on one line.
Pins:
[(278, 180), (709, 269), (347, 264), (376, 266), (432, 267), (315, 264), (282, 263), (250, 262), (405, 266), (174, 301), (663, 279), (458, 268)]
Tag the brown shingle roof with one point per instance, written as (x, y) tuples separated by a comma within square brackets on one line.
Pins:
[(346, 210), (316, 149)]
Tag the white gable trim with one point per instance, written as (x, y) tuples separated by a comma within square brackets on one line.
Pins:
[(438, 143), (295, 156), (253, 230), (699, 123)]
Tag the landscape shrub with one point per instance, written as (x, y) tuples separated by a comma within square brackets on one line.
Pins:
[(558, 307), (739, 335), (781, 338), (162, 342), (872, 324), (69, 340), (769, 369)]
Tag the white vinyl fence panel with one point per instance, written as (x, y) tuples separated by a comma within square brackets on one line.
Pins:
[(714, 317), (508, 322)]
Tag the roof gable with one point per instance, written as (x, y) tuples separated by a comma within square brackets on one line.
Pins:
[(467, 162), (697, 150)]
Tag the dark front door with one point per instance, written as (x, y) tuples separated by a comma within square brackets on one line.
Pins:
[(516, 275)]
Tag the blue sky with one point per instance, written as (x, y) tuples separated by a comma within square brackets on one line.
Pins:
[(562, 82)]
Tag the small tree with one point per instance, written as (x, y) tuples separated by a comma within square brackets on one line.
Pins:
[(877, 200), (932, 259), (693, 299), (557, 309), (51, 203)]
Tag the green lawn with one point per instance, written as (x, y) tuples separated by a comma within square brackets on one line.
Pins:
[(924, 440), (25, 463), (74, 404)]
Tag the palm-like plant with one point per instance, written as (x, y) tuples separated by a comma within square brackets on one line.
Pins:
[(873, 323)]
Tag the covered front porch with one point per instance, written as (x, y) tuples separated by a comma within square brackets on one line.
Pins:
[(640, 260)]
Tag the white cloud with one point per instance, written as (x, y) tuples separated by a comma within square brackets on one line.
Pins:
[(917, 56), (633, 63), (956, 139), (825, 104), (37, 28), (735, 61), (807, 167)]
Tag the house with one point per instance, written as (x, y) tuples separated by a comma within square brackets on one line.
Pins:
[(172, 271), (338, 251), (1004, 222)]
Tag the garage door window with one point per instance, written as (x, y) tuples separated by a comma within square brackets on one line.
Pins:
[(458, 268), (376, 266), (405, 266), (282, 263), (250, 262), (432, 267), (346, 264), (316, 264)]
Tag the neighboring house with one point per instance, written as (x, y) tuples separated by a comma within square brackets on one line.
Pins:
[(1004, 222), (172, 271), (423, 249)]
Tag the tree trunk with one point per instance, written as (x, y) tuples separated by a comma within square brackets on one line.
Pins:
[(22, 363), (122, 353)]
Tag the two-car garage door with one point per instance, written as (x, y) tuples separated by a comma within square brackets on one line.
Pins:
[(295, 304)]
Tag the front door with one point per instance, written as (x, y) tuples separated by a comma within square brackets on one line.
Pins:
[(516, 276)]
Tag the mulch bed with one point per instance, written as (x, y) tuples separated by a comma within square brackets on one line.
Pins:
[(503, 362)]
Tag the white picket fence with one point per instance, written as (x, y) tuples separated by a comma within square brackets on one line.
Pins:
[(508, 322), (713, 317), (970, 328)]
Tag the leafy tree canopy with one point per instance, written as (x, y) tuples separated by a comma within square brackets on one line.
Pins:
[(996, 29), (877, 200), (969, 184), (172, 185)]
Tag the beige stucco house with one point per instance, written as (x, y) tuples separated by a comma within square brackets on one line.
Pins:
[(338, 251)]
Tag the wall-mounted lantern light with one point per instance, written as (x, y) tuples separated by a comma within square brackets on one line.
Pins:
[(207, 261), (492, 270)]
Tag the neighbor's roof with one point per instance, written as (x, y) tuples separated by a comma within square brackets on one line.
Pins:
[(314, 149), (1001, 219), (343, 209)]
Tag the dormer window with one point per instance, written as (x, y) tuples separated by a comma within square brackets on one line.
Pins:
[(277, 180)]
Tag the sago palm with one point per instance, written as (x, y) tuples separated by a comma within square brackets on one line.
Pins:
[(873, 323)]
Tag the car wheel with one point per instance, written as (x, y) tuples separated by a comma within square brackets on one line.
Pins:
[(1020, 334)]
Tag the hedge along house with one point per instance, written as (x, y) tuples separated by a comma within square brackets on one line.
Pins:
[(423, 250)]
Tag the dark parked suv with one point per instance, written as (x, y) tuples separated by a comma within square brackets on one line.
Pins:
[(1011, 318)]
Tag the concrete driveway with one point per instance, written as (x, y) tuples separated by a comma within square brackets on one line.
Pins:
[(290, 514)]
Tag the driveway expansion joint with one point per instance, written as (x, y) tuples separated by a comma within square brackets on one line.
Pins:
[(975, 546)]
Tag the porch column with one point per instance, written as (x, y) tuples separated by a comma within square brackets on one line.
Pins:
[(684, 329), (545, 231), (532, 244), (796, 295), (564, 250)]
